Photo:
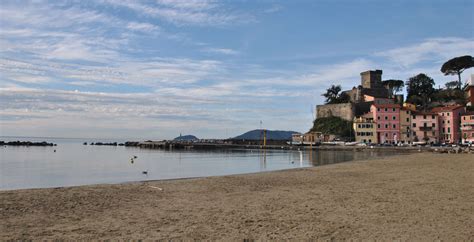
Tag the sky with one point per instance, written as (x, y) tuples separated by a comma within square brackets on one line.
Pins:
[(215, 69)]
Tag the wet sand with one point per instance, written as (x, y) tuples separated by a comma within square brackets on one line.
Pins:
[(422, 196)]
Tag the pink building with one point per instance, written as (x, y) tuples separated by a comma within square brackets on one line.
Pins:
[(467, 128), (425, 127), (387, 117), (450, 122)]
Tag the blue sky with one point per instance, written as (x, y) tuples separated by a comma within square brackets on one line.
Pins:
[(154, 69)]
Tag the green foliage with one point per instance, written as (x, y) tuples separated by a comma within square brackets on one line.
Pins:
[(449, 95), (420, 89), (457, 65), (334, 95), (333, 125), (393, 86), (451, 85)]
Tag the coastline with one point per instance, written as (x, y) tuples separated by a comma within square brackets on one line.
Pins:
[(416, 196)]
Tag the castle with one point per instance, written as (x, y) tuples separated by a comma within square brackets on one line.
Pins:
[(370, 91)]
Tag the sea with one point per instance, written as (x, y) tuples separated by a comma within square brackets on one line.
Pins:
[(71, 163)]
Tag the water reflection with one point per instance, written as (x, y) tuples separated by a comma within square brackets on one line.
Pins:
[(76, 164)]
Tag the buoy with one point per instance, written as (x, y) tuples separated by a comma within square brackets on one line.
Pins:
[(54, 150), (134, 157), (145, 172)]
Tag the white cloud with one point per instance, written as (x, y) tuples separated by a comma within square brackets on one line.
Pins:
[(436, 49), (224, 51), (184, 12), (143, 27)]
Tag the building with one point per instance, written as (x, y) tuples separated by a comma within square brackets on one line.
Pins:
[(470, 91), (406, 136), (370, 86), (425, 127), (450, 123), (387, 118), (362, 97), (467, 128), (365, 129)]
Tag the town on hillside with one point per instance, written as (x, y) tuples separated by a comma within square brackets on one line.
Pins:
[(374, 112)]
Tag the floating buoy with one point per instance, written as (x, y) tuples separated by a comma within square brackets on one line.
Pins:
[(145, 172)]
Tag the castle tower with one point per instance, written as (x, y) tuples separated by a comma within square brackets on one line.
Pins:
[(371, 79)]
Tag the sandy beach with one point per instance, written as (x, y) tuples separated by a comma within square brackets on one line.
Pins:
[(422, 196)]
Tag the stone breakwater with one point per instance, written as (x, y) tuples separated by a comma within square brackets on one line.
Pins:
[(26, 143)]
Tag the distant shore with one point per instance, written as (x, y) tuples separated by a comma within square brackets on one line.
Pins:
[(423, 196)]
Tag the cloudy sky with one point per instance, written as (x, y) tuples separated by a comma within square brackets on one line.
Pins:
[(154, 69)]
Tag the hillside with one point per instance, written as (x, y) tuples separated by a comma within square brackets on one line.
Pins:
[(257, 134), (185, 138)]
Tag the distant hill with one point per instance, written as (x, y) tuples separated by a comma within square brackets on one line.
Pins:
[(185, 138), (271, 135)]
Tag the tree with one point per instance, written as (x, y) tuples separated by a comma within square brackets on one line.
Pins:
[(334, 95), (333, 125), (420, 89), (393, 86), (451, 85), (456, 66)]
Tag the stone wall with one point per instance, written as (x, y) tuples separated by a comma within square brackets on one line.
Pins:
[(343, 110)]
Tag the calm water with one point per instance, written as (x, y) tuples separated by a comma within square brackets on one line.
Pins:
[(75, 164)]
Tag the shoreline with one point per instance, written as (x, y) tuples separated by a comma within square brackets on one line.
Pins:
[(418, 197)]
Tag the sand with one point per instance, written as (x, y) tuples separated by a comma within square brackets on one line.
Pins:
[(422, 196)]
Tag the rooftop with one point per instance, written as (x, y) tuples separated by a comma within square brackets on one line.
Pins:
[(387, 105), (446, 108)]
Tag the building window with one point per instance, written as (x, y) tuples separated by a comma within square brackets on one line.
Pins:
[(386, 134), (378, 126), (385, 109), (447, 114), (408, 119), (386, 117), (449, 130), (394, 126), (433, 133), (393, 109), (408, 112), (449, 121), (378, 117), (393, 117), (432, 117), (414, 125), (386, 126), (359, 126), (378, 109), (424, 116), (433, 125), (414, 116)]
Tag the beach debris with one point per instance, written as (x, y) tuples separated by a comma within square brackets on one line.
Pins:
[(55, 151), (158, 188), (145, 172), (134, 157)]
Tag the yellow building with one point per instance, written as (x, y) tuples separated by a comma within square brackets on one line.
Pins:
[(406, 135), (365, 129)]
